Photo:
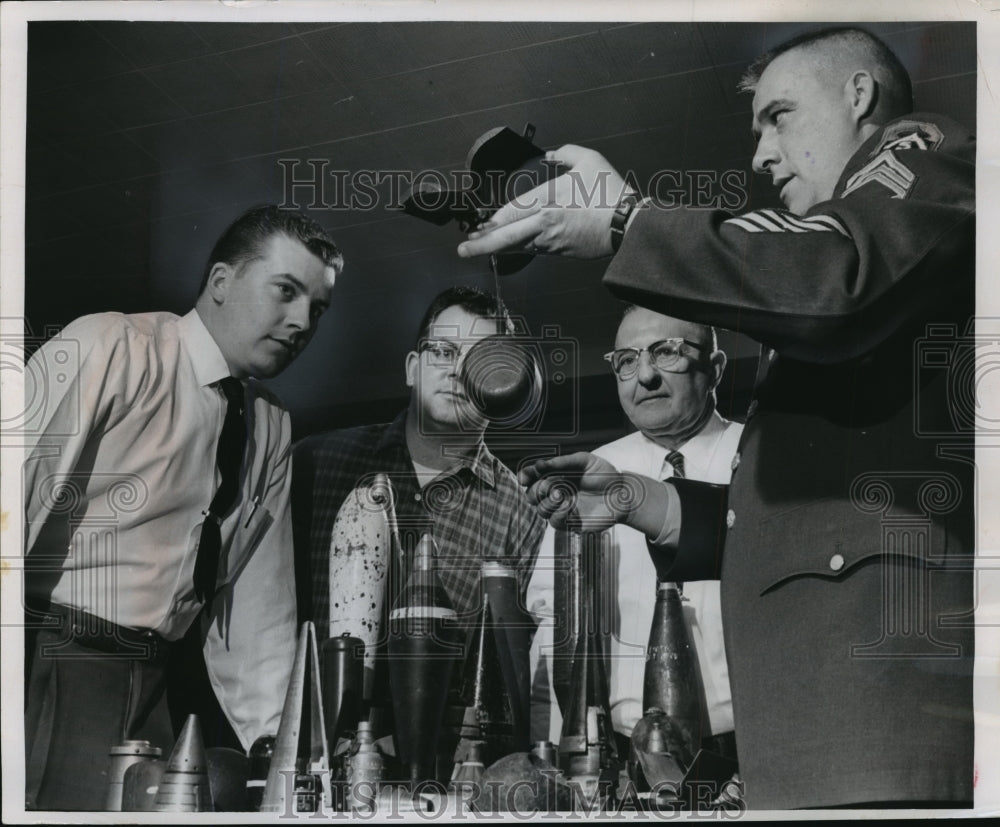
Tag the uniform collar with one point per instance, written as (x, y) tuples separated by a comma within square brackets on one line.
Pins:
[(206, 358)]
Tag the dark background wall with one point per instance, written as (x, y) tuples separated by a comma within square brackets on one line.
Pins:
[(144, 140)]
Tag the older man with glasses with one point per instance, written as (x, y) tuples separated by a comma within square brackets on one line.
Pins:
[(667, 372)]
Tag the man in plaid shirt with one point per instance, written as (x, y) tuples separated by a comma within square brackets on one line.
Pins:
[(445, 479)]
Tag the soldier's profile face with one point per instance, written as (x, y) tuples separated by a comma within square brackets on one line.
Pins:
[(806, 132)]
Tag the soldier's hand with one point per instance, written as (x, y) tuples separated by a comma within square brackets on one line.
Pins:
[(580, 491), (569, 215)]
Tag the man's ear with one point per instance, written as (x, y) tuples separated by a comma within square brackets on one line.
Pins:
[(862, 91), (412, 363), (219, 278), (718, 362)]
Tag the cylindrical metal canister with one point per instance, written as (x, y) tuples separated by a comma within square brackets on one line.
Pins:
[(228, 770), (123, 756), (424, 644), (362, 542), (342, 682), (365, 769), (259, 762), (467, 779), (546, 751), (513, 629), (140, 785), (671, 680)]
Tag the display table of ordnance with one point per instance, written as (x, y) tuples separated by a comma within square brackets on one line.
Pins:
[(457, 711)]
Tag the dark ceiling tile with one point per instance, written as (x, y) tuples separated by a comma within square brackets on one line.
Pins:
[(69, 112), (442, 42), (347, 180), (319, 117), (227, 36), (49, 218), (306, 28), (111, 205), (360, 51), (202, 84), (179, 246), (654, 49), (728, 43), (677, 100), (280, 68), (113, 157), (133, 100), (172, 193), (637, 156), (237, 185), (287, 124), (153, 43), (62, 52), (955, 95), (248, 130), (727, 79), (491, 80), (396, 234), (435, 145), (402, 100), (53, 169), (179, 144), (936, 50), (42, 77), (564, 119), (569, 65)]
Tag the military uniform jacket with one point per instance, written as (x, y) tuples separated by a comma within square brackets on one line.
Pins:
[(847, 589)]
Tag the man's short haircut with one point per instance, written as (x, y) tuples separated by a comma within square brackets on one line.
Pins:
[(895, 80), (245, 238), (707, 330), (472, 300)]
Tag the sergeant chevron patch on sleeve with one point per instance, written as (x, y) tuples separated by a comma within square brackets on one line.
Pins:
[(777, 221), (885, 168)]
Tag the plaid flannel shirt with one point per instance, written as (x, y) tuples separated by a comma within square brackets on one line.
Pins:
[(475, 511)]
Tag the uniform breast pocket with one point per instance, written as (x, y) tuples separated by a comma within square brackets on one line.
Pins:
[(832, 538)]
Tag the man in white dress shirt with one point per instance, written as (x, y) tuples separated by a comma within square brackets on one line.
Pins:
[(121, 478), (667, 372)]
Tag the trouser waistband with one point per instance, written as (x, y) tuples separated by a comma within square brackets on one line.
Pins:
[(102, 635)]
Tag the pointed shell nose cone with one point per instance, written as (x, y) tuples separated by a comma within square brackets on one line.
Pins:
[(184, 787)]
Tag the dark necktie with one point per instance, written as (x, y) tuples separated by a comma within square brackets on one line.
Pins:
[(676, 459), (228, 457)]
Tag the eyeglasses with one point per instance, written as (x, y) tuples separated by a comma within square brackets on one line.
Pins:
[(440, 353), (664, 355)]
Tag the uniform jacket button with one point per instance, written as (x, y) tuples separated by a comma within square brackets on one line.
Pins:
[(837, 562), (731, 518)]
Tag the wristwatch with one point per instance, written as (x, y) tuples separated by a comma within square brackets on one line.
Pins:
[(629, 201)]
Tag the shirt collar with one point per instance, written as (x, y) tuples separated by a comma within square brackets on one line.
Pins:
[(696, 449), (206, 358), (482, 464)]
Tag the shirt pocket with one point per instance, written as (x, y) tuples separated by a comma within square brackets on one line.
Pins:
[(255, 520)]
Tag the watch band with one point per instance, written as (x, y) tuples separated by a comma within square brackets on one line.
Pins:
[(629, 201)]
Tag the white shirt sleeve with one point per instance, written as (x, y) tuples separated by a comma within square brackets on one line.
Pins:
[(670, 533)]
